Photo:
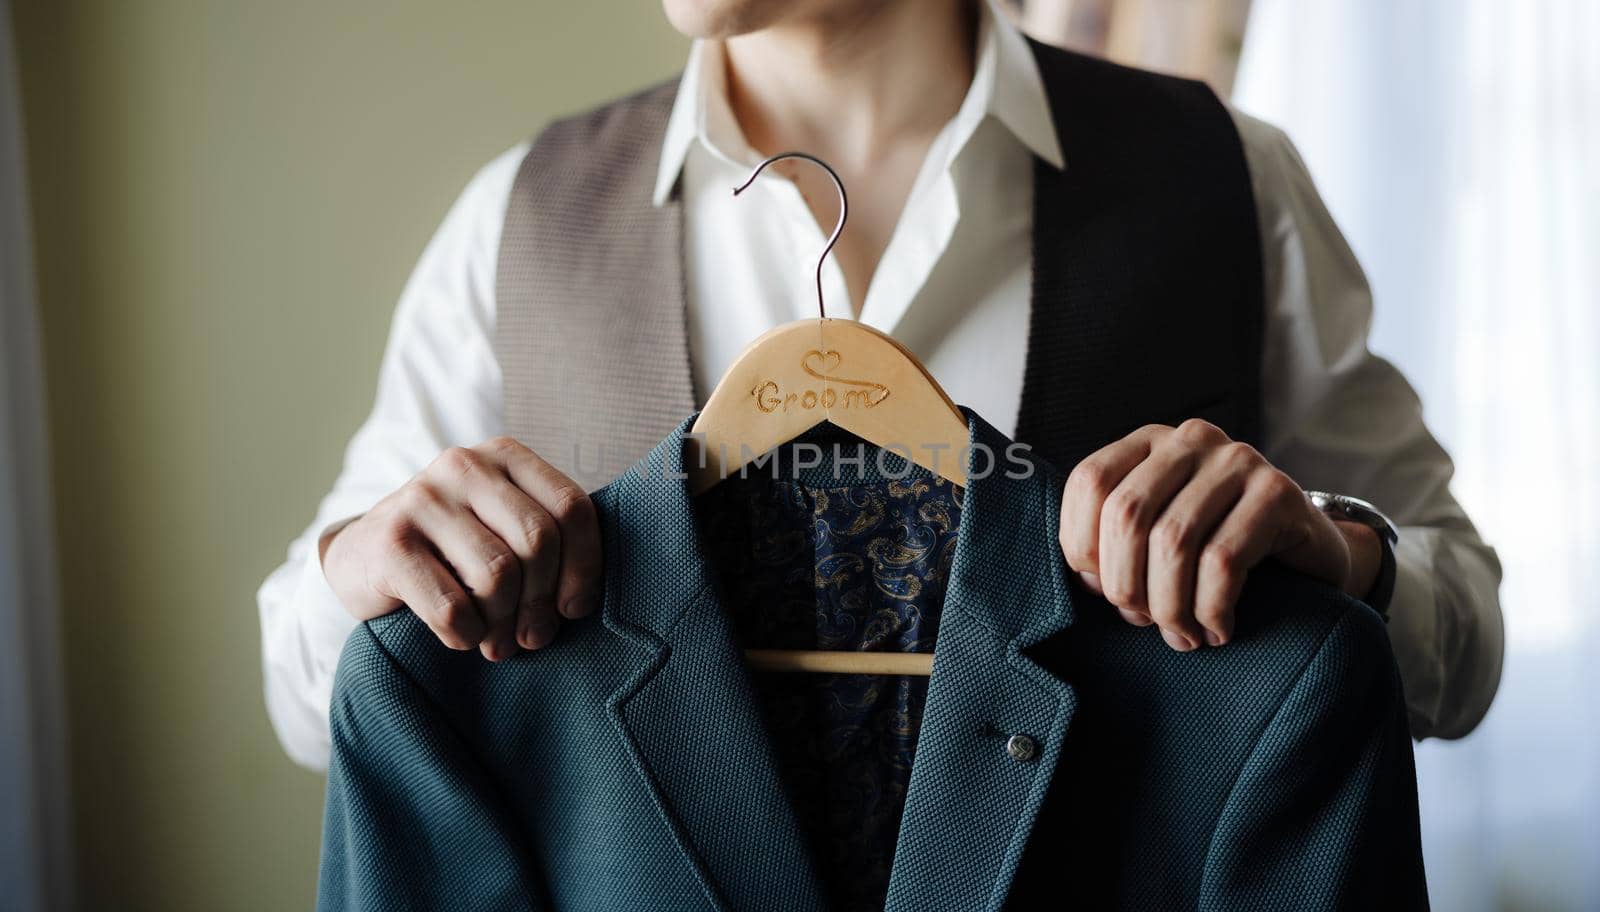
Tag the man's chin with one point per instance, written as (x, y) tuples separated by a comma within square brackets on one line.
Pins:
[(719, 19)]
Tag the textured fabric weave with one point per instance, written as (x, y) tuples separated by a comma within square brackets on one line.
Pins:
[(590, 328), (1148, 297), (627, 765)]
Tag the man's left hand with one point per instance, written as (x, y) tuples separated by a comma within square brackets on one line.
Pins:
[(1166, 523)]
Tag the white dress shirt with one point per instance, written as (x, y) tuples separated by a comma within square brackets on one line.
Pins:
[(954, 286)]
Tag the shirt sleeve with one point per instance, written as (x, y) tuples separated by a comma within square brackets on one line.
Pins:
[(439, 386), (1339, 418)]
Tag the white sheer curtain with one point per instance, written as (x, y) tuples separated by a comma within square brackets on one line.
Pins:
[(1458, 144), (33, 813)]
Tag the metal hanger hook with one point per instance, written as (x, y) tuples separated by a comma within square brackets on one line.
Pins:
[(844, 208)]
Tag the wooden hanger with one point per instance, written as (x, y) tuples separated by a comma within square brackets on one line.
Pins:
[(803, 373)]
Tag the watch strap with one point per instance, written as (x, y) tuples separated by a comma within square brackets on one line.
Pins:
[(1382, 590)]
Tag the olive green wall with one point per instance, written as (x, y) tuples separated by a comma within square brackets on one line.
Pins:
[(228, 197)]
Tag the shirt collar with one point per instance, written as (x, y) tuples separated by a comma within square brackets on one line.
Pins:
[(1006, 85)]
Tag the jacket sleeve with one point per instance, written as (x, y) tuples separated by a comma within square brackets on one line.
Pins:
[(1323, 814), (410, 820)]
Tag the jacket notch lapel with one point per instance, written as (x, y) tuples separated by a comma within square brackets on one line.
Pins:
[(995, 720), (689, 714)]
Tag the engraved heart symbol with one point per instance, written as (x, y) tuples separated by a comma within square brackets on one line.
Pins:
[(820, 364)]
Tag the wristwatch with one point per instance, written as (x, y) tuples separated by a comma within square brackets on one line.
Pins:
[(1354, 509)]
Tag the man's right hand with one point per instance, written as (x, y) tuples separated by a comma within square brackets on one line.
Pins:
[(490, 545)]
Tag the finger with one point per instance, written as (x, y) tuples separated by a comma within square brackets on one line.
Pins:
[(1135, 618), (417, 577), (1178, 536), (537, 619), (1247, 535), (578, 584), (1087, 488), (487, 569), (1125, 523), (530, 533)]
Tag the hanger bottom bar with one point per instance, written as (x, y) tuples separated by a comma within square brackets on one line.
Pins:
[(828, 661)]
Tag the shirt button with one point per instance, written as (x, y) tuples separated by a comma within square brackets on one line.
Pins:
[(1021, 748)]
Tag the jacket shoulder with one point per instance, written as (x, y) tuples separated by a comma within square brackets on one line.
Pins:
[(378, 658), (398, 657), (1354, 656), (1304, 615), (1291, 633)]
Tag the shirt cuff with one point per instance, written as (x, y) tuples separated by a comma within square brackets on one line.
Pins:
[(1414, 630), (304, 630), (324, 621)]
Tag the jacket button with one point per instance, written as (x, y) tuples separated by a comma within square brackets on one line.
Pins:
[(1021, 748)]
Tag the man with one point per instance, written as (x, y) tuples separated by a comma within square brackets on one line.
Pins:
[(1028, 222)]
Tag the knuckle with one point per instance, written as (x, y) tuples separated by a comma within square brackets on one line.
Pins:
[(1125, 510), (1121, 593), (1168, 614), (1221, 560), (457, 461), (1199, 430), (1240, 455), (569, 504), (1172, 538), (453, 610), (393, 530), (1211, 612), (1283, 490), (395, 543), (419, 495), (503, 445), (501, 568), (539, 531), (481, 577), (1091, 478), (1181, 446)]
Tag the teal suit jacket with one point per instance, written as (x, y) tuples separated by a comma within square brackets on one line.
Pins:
[(627, 767)]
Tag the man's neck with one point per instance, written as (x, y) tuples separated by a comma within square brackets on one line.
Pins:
[(852, 85), (866, 89)]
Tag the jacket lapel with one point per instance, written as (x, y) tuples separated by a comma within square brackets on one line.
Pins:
[(689, 714), (992, 729), (995, 721)]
